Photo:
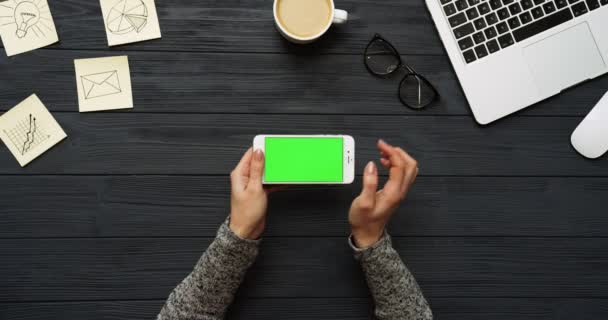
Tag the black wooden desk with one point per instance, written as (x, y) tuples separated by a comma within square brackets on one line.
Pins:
[(505, 222)]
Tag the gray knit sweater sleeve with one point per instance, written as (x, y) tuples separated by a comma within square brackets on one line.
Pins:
[(394, 290), (208, 291)]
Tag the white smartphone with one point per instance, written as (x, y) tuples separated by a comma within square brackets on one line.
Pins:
[(314, 159)]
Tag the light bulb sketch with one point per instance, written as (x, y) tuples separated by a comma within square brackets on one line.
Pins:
[(27, 15)]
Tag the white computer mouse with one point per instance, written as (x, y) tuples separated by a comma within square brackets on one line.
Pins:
[(591, 136)]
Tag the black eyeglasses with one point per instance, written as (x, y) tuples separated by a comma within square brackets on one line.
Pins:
[(383, 60)]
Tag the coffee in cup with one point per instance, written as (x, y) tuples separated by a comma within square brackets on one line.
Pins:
[(304, 21)]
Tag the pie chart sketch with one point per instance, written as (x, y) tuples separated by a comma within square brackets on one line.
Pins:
[(127, 16)]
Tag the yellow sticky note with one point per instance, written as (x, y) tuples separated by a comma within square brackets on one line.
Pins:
[(29, 130), (103, 83), (26, 25), (128, 21)]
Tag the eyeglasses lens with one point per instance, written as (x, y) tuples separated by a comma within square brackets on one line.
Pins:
[(381, 58), (416, 92)]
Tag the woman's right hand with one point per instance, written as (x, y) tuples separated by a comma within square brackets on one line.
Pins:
[(249, 199), (372, 209)]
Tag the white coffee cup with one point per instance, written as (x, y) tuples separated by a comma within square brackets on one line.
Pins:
[(337, 17)]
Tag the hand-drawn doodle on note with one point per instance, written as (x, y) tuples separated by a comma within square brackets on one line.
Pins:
[(127, 16), (26, 135), (28, 15), (100, 84)]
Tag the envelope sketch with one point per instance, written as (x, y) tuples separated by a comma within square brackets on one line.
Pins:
[(100, 84)]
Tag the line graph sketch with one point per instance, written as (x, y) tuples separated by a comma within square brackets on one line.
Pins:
[(26, 135), (28, 130), (127, 16), (31, 17)]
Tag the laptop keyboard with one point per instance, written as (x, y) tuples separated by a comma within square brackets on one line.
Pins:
[(484, 27)]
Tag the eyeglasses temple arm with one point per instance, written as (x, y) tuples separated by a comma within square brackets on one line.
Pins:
[(408, 68)]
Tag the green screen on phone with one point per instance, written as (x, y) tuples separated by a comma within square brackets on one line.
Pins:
[(303, 159)]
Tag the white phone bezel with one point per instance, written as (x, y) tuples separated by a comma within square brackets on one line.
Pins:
[(348, 155)]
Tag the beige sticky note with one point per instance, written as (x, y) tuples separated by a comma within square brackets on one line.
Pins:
[(26, 25), (103, 83), (128, 21), (29, 130)]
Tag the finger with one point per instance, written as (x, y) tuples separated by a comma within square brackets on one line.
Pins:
[(240, 174), (385, 148), (245, 161), (370, 185), (406, 156), (396, 169), (257, 170), (411, 167), (385, 163), (416, 175), (391, 153)]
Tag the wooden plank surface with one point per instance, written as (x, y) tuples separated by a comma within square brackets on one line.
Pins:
[(124, 143), (321, 309), (185, 82), (248, 26), (505, 222), (191, 206), (148, 268)]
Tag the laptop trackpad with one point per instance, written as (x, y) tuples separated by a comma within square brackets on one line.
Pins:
[(564, 59)]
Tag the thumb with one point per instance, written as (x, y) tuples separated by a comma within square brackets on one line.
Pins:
[(257, 169), (370, 184)]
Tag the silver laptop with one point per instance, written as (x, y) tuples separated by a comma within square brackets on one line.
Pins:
[(510, 54)]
